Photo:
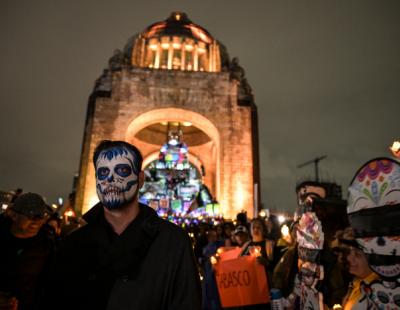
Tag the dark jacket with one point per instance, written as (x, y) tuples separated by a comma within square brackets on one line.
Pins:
[(149, 266), (22, 264)]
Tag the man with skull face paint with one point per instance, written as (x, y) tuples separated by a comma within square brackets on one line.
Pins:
[(116, 177), (126, 257)]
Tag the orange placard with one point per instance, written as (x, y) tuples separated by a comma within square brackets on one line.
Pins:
[(226, 253), (241, 282)]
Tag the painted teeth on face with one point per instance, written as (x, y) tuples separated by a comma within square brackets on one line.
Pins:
[(116, 181)]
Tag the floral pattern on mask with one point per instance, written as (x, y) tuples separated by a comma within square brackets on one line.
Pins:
[(376, 184)]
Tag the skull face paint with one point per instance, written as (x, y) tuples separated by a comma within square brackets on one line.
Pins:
[(116, 177)]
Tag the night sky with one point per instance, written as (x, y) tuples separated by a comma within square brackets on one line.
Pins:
[(325, 75)]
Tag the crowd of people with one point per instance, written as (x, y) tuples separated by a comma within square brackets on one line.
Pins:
[(31, 231), (46, 263)]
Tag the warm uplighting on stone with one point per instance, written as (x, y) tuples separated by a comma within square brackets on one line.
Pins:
[(176, 44), (154, 86)]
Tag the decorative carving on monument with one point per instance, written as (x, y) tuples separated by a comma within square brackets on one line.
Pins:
[(245, 93), (117, 61)]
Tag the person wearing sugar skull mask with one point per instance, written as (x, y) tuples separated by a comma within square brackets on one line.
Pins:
[(374, 215), (125, 257)]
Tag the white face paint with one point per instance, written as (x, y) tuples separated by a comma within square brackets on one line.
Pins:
[(116, 179)]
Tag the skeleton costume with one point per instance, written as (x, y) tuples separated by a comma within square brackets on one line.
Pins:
[(310, 239), (374, 214)]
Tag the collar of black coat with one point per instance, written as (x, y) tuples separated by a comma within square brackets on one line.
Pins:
[(147, 217), (123, 256)]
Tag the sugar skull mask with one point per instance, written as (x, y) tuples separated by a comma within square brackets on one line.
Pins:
[(116, 177), (374, 214)]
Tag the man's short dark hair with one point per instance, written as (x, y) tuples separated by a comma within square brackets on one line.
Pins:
[(108, 144)]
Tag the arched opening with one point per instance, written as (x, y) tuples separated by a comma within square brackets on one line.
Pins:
[(149, 132)]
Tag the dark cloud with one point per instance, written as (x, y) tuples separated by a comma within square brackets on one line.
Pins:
[(325, 76)]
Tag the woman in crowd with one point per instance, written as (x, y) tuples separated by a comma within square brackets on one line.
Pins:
[(359, 268), (258, 245), (257, 231)]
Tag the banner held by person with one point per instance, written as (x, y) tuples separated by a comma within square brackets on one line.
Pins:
[(241, 281)]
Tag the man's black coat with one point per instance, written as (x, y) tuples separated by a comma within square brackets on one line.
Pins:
[(149, 266), (22, 264)]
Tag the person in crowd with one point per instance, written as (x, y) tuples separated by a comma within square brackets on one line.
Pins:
[(273, 230), (228, 235), (69, 227), (241, 219), (284, 273), (201, 241), (241, 236), (264, 249), (359, 268), (339, 248), (125, 257), (53, 227), (331, 213), (220, 232), (25, 252), (210, 299), (336, 280), (374, 215), (257, 231)]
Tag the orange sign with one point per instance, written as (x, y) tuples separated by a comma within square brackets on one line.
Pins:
[(241, 282), (227, 253)]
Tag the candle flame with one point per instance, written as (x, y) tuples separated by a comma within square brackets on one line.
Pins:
[(395, 148)]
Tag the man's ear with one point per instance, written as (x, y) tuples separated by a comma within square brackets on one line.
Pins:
[(141, 179)]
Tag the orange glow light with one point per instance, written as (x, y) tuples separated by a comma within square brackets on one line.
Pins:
[(69, 213), (165, 45), (285, 231), (201, 50), (255, 251), (197, 32), (395, 148), (155, 29)]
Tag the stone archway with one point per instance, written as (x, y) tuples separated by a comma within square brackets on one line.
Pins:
[(210, 158)]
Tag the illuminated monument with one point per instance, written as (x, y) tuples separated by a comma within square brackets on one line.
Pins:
[(175, 78)]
